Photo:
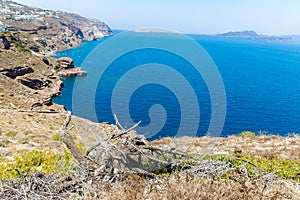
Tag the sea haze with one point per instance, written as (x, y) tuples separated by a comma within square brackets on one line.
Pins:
[(262, 82)]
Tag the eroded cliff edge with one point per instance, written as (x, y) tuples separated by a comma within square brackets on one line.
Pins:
[(28, 37), (45, 31)]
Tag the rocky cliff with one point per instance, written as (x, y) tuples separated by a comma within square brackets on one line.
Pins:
[(45, 31), (28, 37)]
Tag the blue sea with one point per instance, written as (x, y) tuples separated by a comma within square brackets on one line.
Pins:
[(261, 81)]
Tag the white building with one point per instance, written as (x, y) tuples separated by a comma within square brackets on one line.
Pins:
[(26, 17)]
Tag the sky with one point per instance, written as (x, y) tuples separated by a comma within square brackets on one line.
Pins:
[(272, 17)]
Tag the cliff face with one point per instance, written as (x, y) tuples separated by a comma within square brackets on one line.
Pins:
[(28, 36), (27, 79), (45, 31)]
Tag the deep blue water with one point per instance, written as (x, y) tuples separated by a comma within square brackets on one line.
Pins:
[(261, 79)]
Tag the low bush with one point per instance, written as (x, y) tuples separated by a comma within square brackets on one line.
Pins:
[(247, 133), (11, 134), (27, 162), (287, 169)]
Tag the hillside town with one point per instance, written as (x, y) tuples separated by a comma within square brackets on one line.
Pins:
[(47, 31), (13, 11)]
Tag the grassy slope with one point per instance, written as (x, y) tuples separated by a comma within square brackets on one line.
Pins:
[(33, 137)]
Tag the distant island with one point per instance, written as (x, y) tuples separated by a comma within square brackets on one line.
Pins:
[(252, 35), (47, 153)]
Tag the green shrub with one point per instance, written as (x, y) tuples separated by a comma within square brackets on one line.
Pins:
[(20, 46), (81, 147), (247, 133), (11, 134), (287, 169), (37, 160), (57, 137)]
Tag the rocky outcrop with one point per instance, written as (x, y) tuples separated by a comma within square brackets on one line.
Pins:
[(34, 48), (53, 92), (41, 32), (47, 100), (56, 88), (5, 42), (66, 63), (77, 31), (16, 71), (72, 72), (34, 84), (67, 68)]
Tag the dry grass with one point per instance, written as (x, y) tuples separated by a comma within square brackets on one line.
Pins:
[(178, 186), (186, 187), (36, 131), (28, 131), (262, 146), (21, 131)]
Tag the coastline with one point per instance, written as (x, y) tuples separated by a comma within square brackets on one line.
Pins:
[(48, 153)]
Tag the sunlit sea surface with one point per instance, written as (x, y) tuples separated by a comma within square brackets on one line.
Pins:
[(261, 79)]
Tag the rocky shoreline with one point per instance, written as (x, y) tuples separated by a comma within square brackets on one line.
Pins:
[(28, 75), (72, 72), (67, 68), (38, 137)]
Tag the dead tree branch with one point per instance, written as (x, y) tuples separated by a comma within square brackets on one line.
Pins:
[(68, 141), (123, 150)]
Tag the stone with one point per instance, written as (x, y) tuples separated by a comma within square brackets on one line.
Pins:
[(5, 41), (72, 72), (16, 71), (47, 101), (34, 84), (66, 62)]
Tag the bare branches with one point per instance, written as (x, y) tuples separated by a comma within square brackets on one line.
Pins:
[(122, 151), (123, 129), (117, 123), (113, 136), (132, 152), (68, 120), (68, 141), (34, 186)]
